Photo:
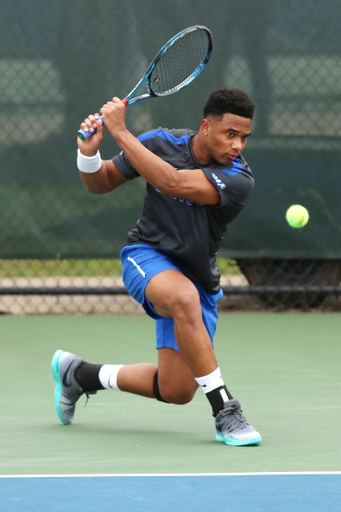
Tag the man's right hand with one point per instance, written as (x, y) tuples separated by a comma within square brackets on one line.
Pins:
[(90, 146)]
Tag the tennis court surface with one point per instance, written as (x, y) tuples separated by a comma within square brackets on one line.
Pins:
[(127, 453)]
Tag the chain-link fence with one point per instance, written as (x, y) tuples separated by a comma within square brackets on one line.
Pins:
[(80, 287), (63, 60), (95, 286)]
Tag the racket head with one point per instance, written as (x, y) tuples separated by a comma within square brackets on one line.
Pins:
[(177, 64), (180, 61)]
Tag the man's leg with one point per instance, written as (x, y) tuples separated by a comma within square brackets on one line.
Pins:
[(170, 381), (176, 383), (155, 281), (173, 295)]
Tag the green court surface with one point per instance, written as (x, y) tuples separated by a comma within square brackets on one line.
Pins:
[(283, 367)]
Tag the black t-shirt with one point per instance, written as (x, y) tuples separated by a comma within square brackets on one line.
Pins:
[(188, 232)]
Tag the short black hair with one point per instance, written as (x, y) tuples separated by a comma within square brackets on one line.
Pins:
[(229, 101)]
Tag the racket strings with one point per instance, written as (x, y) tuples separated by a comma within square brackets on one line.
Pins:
[(179, 62)]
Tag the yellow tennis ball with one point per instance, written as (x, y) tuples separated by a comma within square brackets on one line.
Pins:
[(297, 216)]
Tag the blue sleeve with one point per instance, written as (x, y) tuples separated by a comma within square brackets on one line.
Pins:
[(122, 163)]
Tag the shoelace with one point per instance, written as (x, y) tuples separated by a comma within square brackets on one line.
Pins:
[(88, 393), (236, 417), (87, 398)]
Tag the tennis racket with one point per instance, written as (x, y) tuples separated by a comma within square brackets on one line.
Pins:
[(176, 65)]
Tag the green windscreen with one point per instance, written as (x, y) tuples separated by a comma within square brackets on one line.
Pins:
[(61, 61)]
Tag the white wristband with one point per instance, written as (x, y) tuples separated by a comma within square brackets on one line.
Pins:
[(89, 164)]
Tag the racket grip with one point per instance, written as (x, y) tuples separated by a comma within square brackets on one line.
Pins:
[(83, 135)]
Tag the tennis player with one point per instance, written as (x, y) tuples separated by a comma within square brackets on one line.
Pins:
[(197, 183)]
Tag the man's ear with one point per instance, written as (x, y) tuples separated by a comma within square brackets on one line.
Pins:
[(205, 125)]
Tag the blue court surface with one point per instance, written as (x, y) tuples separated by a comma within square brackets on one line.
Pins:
[(296, 492)]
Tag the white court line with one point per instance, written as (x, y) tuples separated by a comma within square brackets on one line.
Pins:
[(173, 474)]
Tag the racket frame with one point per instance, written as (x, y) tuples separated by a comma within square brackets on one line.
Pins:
[(130, 98)]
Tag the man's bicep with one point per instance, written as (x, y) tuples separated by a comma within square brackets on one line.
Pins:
[(194, 186)]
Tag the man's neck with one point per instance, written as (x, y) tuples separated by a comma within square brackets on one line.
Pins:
[(199, 149)]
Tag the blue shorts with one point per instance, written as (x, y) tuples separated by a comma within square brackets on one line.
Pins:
[(140, 263)]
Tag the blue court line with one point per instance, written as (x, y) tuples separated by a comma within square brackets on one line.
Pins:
[(173, 493)]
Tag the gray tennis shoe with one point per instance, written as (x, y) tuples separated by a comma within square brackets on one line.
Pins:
[(67, 391), (232, 427)]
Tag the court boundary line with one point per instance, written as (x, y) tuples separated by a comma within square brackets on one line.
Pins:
[(153, 475)]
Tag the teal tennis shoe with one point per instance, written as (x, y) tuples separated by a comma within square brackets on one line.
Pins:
[(67, 391), (232, 427)]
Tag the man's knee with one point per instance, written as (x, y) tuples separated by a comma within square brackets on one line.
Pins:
[(172, 394), (178, 397), (186, 304), (173, 295)]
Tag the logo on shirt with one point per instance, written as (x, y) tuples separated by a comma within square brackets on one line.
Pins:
[(181, 200), (220, 184)]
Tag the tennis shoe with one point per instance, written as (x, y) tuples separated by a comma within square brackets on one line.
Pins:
[(67, 391), (232, 427)]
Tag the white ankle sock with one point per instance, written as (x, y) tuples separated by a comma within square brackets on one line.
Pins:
[(211, 381), (108, 375)]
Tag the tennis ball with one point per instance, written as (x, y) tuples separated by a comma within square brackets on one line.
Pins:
[(297, 216)]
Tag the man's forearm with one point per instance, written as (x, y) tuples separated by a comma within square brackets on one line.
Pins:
[(97, 182), (153, 169)]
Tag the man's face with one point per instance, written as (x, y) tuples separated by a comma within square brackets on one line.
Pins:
[(226, 136)]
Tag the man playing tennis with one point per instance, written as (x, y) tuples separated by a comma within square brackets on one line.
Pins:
[(197, 182)]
